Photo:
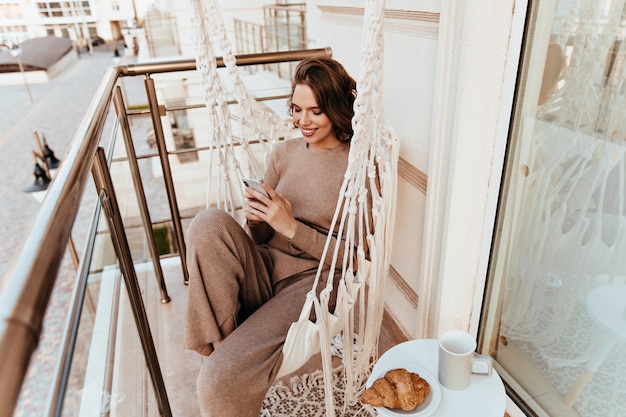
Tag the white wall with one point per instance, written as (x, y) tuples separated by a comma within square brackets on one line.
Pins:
[(409, 75), (447, 92)]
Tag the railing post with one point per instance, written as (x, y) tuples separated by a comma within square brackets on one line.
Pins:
[(237, 24), (275, 30), (302, 30), (167, 171), (106, 192), (120, 110)]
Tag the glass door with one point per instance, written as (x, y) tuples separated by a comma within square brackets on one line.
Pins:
[(556, 312)]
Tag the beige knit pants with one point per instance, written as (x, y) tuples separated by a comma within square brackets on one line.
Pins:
[(229, 279)]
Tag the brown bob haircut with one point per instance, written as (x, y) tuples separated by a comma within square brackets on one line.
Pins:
[(334, 90)]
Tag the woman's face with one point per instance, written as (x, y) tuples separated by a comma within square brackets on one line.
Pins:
[(315, 126)]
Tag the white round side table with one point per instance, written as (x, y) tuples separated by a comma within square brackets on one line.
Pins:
[(485, 396)]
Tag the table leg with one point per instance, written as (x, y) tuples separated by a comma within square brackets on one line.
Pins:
[(594, 363)]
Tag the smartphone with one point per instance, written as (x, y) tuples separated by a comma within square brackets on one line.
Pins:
[(255, 185)]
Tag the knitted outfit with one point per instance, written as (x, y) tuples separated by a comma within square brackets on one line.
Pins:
[(258, 279)]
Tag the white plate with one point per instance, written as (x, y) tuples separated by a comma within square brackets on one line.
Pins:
[(426, 408)]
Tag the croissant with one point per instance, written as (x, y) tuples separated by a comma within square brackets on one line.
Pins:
[(399, 388)]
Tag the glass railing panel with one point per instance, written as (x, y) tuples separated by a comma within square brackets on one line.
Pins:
[(109, 372), (88, 390), (41, 377), (100, 380), (149, 165), (130, 382), (178, 365)]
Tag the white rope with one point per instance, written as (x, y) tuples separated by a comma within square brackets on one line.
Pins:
[(372, 167), (209, 31), (373, 148)]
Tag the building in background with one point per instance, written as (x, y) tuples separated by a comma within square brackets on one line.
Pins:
[(160, 26), (87, 22)]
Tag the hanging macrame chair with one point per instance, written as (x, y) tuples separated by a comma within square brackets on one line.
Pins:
[(366, 230)]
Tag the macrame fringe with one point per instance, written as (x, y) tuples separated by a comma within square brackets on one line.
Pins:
[(300, 388)]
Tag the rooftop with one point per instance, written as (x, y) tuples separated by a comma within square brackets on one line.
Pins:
[(37, 54)]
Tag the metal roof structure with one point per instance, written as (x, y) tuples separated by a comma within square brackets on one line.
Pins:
[(38, 54)]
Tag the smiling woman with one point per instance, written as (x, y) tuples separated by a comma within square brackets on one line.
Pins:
[(241, 281), (311, 248)]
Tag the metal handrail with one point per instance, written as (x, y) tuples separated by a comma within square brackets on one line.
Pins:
[(241, 60), (29, 280)]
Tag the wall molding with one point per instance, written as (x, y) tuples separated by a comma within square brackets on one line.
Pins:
[(397, 20), (389, 13), (404, 287), (412, 175)]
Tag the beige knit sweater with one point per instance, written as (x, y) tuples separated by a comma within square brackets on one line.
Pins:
[(311, 181)]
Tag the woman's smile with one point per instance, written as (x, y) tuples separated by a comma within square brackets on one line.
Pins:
[(315, 126), (307, 132)]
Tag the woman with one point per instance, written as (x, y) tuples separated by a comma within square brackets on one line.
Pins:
[(246, 287)]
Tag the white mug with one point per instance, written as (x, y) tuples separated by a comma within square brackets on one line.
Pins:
[(458, 360)]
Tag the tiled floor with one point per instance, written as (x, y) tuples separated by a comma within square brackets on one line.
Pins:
[(538, 388)]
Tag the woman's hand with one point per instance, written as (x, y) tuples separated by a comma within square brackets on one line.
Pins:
[(275, 211), (249, 212)]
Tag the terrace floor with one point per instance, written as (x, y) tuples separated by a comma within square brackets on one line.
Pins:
[(179, 366)]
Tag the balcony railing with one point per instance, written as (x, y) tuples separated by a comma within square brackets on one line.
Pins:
[(130, 217)]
